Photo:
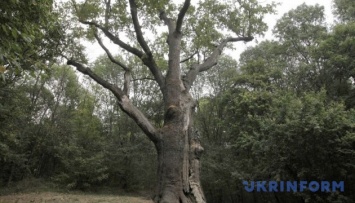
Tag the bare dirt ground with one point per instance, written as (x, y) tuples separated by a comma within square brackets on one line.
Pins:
[(53, 197)]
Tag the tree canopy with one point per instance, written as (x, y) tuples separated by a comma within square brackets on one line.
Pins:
[(30, 36)]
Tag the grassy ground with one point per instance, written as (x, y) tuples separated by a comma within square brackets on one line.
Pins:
[(54, 197), (39, 191)]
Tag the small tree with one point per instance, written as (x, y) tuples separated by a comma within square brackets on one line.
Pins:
[(198, 33)]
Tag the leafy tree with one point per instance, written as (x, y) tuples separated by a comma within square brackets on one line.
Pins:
[(190, 31), (345, 10), (56, 121), (300, 32), (30, 35), (281, 136), (71, 135), (338, 66), (130, 157), (14, 106), (283, 117)]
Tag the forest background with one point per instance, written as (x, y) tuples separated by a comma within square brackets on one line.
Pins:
[(283, 111)]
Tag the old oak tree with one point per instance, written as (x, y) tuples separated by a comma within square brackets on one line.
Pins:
[(194, 36)]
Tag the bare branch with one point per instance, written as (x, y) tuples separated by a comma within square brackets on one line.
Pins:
[(140, 119), (211, 61), (149, 62), (123, 101), (87, 71), (127, 82), (115, 39), (188, 58), (107, 11), (181, 15), (145, 78), (238, 39), (138, 29), (112, 59)]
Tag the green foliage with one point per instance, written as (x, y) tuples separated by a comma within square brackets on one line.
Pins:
[(275, 136), (81, 151), (304, 24), (206, 23), (345, 10), (13, 109), (129, 155), (29, 34), (65, 137), (287, 114), (284, 112), (89, 9), (339, 68)]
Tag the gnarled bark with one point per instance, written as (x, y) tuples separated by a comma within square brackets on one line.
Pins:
[(179, 152)]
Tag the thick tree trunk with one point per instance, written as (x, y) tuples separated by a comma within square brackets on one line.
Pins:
[(179, 152)]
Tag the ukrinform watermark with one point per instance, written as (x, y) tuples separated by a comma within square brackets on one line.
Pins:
[(294, 186)]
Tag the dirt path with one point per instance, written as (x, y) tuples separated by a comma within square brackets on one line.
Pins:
[(51, 197)]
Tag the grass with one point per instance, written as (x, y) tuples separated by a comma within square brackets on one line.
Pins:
[(54, 197), (39, 191)]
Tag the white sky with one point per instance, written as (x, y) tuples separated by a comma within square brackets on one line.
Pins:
[(94, 50), (287, 5)]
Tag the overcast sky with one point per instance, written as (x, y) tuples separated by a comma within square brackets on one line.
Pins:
[(287, 5), (94, 50)]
